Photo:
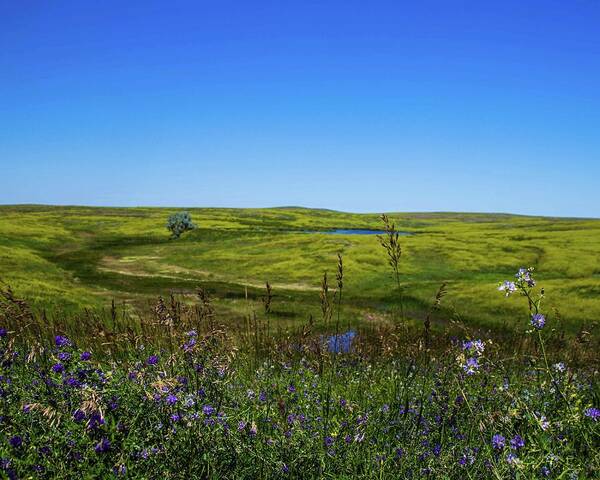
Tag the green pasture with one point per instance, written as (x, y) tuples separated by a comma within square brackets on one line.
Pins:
[(70, 258)]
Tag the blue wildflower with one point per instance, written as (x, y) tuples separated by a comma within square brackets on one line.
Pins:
[(471, 366), (560, 367)]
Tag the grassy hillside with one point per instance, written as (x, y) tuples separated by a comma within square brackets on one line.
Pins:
[(80, 257)]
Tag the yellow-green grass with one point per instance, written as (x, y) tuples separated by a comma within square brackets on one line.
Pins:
[(76, 257)]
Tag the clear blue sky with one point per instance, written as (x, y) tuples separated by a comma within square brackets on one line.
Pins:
[(350, 105)]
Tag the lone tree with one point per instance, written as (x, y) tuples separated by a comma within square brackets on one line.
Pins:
[(178, 223)]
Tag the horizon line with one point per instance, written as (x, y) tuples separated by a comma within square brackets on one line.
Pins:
[(288, 207)]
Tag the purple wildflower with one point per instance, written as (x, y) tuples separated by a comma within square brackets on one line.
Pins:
[(58, 368), (498, 441), (517, 442), (119, 470), (507, 287), (102, 446), (45, 450), (560, 367), (61, 341), (538, 321), (208, 410), (114, 403), (96, 420), (328, 441), (524, 276), (545, 471), (16, 441), (64, 356), (593, 413), (85, 356), (474, 347), (471, 366), (171, 399), (189, 345), (152, 360), (78, 415), (3, 332)]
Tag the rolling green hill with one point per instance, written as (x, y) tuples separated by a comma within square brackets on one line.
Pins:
[(76, 257)]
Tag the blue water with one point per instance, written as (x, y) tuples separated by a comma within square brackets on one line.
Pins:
[(355, 231), (341, 343)]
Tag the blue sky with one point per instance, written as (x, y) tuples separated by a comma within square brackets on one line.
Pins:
[(353, 105)]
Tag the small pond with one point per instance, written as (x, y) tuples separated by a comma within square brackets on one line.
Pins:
[(353, 231)]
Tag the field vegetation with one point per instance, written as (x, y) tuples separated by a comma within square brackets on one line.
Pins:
[(258, 345)]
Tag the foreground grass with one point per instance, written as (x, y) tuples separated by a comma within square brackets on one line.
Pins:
[(198, 410)]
